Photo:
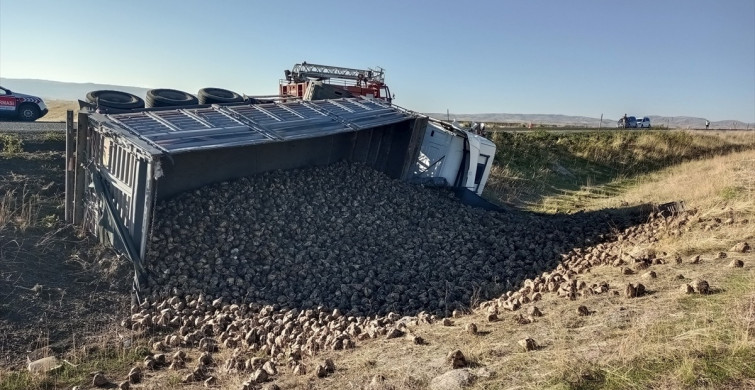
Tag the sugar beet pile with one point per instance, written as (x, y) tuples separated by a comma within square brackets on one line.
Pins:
[(347, 237)]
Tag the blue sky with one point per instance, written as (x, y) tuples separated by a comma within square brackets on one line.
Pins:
[(673, 58)]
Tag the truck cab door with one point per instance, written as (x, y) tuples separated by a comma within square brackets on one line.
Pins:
[(480, 160), (8, 103), (388, 98)]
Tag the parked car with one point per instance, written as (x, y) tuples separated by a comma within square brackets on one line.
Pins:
[(21, 106), (631, 123), (643, 123)]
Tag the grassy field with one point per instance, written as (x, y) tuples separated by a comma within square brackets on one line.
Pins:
[(531, 167), (664, 340), (58, 110)]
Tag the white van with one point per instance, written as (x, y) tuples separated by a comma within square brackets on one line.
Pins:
[(643, 123)]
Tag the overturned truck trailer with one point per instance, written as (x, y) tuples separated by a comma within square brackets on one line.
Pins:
[(123, 163)]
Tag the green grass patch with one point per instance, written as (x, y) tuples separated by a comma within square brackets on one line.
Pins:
[(733, 192), (54, 136), (11, 144), (173, 380)]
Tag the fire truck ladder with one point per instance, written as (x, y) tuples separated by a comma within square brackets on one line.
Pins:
[(301, 72)]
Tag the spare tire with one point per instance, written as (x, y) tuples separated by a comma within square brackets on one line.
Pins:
[(115, 99), (169, 98), (218, 95)]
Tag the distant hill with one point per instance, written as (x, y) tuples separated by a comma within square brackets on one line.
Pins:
[(674, 122), (58, 90), (689, 122)]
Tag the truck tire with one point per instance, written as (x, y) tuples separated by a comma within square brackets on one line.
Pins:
[(218, 95), (169, 98), (28, 112), (115, 99)]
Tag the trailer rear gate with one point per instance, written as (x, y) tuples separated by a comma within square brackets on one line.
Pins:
[(124, 163)]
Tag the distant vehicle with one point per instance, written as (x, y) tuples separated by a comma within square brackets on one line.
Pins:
[(631, 123), (644, 123), (20, 106)]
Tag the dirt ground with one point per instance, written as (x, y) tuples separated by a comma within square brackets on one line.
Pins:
[(57, 287)]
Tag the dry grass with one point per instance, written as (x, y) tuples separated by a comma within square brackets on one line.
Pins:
[(58, 110), (102, 351), (19, 210), (533, 166), (710, 182), (721, 188)]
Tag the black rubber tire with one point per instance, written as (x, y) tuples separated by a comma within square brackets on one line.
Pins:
[(218, 95), (163, 97), (115, 99), (28, 112)]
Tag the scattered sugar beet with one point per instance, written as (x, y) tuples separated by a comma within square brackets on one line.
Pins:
[(288, 264), (348, 237)]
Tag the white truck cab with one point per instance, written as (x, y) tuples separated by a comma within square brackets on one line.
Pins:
[(461, 158)]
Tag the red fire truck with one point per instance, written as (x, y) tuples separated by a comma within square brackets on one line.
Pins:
[(341, 82)]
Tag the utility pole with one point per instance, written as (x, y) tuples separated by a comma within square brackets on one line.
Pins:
[(600, 126)]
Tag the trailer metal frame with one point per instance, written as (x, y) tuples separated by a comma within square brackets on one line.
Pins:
[(123, 163)]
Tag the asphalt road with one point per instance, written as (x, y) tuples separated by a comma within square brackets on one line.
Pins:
[(21, 127)]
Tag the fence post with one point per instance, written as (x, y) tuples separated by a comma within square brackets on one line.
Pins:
[(70, 166), (81, 145)]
